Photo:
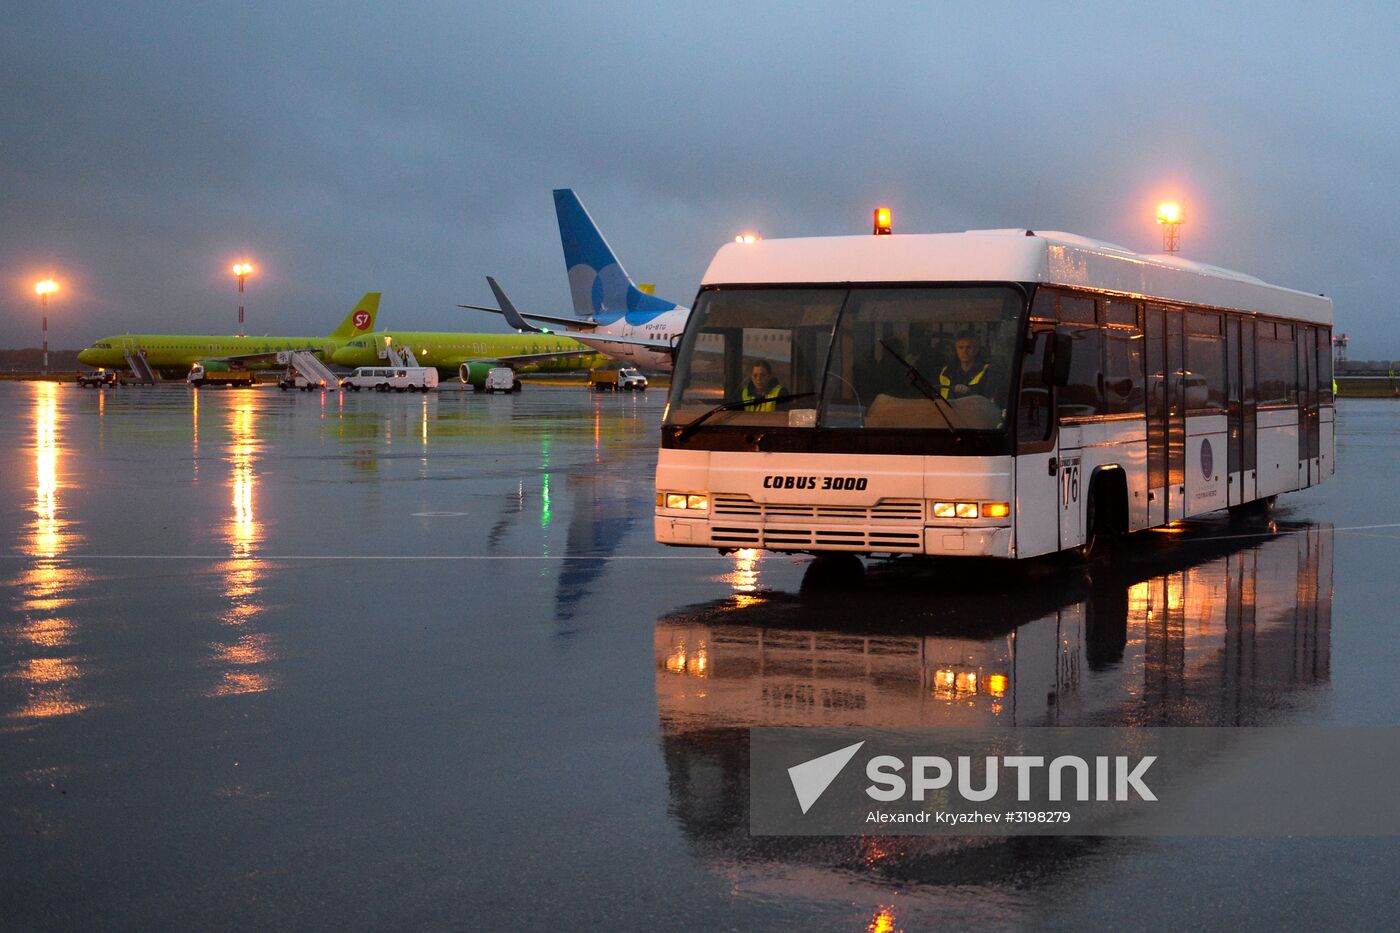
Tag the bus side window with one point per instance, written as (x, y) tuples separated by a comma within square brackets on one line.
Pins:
[(1081, 396), (1033, 405)]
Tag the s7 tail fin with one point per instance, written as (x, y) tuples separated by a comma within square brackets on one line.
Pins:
[(601, 288), (360, 320)]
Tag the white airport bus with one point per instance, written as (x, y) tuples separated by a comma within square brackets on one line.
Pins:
[(1000, 393)]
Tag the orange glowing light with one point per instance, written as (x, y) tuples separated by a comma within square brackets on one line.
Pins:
[(882, 922), (242, 269), (1169, 212), (747, 237), (996, 685), (884, 221), (46, 287)]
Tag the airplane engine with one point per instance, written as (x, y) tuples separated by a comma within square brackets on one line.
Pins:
[(474, 373)]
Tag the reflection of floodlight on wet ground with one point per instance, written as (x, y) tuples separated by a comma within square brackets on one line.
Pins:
[(242, 270), (1170, 216), (44, 289)]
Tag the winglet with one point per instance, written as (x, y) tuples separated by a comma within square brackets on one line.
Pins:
[(509, 312)]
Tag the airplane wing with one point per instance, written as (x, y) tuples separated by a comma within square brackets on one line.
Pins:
[(518, 359), (243, 358), (515, 319), (567, 322)]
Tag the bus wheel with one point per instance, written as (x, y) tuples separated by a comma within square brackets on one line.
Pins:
[(1100, 534), (834, 571), (1255, 511)]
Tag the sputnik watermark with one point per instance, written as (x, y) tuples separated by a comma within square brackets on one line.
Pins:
[(1077, 781), (1113, 779)]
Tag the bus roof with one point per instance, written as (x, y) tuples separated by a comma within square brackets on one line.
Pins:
[(1049, 257)]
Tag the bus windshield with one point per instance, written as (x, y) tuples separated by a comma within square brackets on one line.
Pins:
[(921, 358)]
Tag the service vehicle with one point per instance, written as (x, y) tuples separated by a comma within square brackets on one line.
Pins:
[(98, 378), (392, 378), (295, 380), (617, 380), (500, 379), (203, 374), (998, 393)]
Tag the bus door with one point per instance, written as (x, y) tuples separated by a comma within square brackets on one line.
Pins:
[(1156, 363), (1037, 467), (1249, 421), (1176, 417), (1234, 414), (1309, 428)]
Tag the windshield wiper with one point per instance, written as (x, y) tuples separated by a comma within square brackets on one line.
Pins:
[(920, 382), (689, 429)]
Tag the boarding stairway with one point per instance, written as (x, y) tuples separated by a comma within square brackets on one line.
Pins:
[(305, 363), (140, 368), (401, 357)]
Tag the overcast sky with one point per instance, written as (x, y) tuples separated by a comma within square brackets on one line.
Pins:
[(411, 147)]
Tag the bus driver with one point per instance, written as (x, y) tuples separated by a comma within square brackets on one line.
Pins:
[(762, 385), (968, 376)]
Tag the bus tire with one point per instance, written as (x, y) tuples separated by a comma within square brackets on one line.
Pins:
[(834, 570), (1257, 510), (1105, 515)]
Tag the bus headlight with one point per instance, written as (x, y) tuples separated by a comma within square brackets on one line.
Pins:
[(943, 510), (694, 501), (967, 509)]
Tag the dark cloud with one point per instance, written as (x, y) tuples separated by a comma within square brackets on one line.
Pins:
[(412, 147)]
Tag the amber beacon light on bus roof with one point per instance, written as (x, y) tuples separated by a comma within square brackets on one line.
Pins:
[(883, 222)]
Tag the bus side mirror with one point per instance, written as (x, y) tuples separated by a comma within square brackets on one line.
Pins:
[(1059, 351)]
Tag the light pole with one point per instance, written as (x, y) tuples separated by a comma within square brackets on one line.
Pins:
[(242, 270), (43, 289), (1169, 215)]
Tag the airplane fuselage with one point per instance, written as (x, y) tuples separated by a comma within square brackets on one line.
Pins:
[(666, 328), (174, 354), (448, 351)]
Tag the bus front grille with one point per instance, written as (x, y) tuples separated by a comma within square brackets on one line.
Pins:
[(789, 536), (886, 510)]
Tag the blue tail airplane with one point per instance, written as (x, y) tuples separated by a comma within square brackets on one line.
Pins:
[(611, 314)]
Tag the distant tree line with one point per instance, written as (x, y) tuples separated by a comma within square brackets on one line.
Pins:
[(31, 360)]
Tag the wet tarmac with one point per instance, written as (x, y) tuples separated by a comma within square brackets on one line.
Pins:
[(289, 660)]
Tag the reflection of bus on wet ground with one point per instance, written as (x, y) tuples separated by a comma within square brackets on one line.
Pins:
[(995, 393), (1169, 640), (1201, 630)]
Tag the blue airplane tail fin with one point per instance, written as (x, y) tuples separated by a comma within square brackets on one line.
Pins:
[(601, 288)]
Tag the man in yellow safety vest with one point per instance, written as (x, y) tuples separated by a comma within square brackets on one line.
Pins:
[(969, 375), (762, 385)]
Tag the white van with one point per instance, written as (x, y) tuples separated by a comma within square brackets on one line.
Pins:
[(501, 379), (397, 378)]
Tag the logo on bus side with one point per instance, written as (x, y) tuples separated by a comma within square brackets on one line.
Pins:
[(780, 481), (1207, 459)]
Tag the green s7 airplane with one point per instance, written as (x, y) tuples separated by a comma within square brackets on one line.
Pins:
[(470, 356), (172, 355)]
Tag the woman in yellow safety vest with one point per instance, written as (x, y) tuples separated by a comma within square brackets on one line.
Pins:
[(762, 385), (968, 376)]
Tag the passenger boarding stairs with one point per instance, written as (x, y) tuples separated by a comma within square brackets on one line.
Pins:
[(140, 367), (400, 357), (310, 368)]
